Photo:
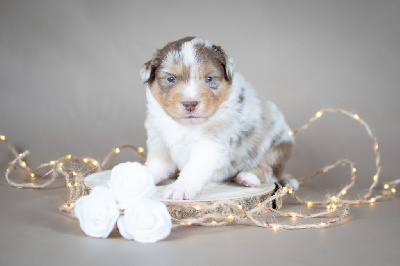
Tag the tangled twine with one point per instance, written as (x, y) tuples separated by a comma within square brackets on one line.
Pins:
[(75, 169)]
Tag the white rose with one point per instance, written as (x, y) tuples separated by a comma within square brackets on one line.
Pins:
[(97, 212), (129, 182), (146, 221)]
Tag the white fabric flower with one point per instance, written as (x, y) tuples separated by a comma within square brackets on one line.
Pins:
[(146, 221), (129, 182), (97, 212)]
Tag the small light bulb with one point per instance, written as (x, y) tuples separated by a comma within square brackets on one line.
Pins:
[(69, 184), (309, 204), (240, 207), (214, 222), (328, 206), (95, 163), (356, 117), (375, 177), (23, 164), (354, 170), (294, 215), (333, 198), (275, 227), (334, 206), (343, 192), (291, 133), (32, 174), (230, 217), (376, 147), (74, 173), (325, 170), (372, 200), (318, 114), (290, 191), (85, 160), (52, 162), (189, 223), (322, 224), (117, 150), (386, 186), (2, 137), (140, 150), (197, 208), (61, 164), (69, 156), (393, 190)]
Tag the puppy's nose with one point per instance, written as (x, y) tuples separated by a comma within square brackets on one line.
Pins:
[(190, 105)]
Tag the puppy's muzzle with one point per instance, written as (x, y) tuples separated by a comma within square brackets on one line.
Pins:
[(190, 105)]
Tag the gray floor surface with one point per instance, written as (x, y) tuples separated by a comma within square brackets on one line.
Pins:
[(34, 232)]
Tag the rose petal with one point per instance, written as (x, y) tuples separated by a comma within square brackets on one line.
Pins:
[(121, 223), (147, 221), (97, 212), (129, 182)]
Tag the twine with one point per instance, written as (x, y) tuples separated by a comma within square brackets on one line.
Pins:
[(258, 211)]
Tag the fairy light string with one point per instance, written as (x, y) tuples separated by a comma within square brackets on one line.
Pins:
[(219, 213)]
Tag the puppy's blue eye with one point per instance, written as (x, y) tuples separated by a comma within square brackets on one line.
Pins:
[(209, 79), (171, 79)]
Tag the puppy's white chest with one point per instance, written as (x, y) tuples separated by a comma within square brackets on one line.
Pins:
[(181, 143)]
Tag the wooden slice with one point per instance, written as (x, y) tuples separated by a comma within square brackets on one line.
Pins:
[(218, 203)]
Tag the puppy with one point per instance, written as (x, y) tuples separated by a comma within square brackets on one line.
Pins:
[(206, 121)]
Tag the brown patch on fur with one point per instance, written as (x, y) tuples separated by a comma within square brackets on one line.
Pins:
[(212, 101), (273, 162), (179, 71), (262, 171), (278, 156), (168, 100), (216, 55), (161, 54)]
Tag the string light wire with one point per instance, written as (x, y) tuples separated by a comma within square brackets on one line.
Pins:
[(336, 208)]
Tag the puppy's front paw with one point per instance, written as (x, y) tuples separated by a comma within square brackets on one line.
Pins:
[(248, 179), (181, 191)]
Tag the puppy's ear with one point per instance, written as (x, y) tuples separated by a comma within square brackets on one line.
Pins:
[(147, 72), (226, 61), (229, 68)]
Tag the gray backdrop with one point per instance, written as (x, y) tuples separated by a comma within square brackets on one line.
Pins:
[(69, 71), (70, 84)]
